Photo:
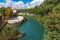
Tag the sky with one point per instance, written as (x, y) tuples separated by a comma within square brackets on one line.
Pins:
[(20, 4)]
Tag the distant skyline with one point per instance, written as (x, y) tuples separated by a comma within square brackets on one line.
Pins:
[(20, 4)]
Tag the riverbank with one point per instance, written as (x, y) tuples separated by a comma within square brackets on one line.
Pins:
[(10, 30), (51, 25), (32, 30), (37, 18), (15, 19)]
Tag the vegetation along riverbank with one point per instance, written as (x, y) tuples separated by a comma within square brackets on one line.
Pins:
[(48, 14), (9, 23)]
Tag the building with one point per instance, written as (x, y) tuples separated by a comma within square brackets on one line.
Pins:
[(19, 14), (14, 12), (15, 19)]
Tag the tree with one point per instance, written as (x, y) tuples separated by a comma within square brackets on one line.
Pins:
[(8, 12), (2, 11)]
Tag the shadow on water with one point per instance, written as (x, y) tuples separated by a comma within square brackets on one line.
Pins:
[(22, 23), (32, 30)]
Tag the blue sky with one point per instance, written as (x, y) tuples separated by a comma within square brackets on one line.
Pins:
[(20, 4), (2, 0), (25, 1)]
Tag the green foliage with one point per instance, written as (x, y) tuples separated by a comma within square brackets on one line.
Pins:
[(2, 10), (48, 14), (9, 31), (8, 12), (50, 19)]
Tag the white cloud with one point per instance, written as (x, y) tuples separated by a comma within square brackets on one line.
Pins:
[(1, 4), (36, 2), (20, 4)]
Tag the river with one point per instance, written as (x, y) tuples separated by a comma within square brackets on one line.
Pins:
[(32, 30)]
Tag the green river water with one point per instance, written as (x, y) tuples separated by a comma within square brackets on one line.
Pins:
[(32, 30)]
